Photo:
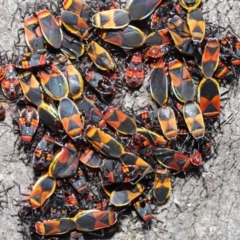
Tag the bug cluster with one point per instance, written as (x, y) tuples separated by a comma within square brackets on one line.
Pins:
[(93, 158)]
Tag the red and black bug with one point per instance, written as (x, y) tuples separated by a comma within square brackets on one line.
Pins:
[(42, 190), (222, 71), (132, 159), (160, 16), (162, 185), (210, 57), (135, 71), (30, 60), (157, 43), (106, 4), (90, 158), (28, 123), (112, 172), (160, 37), (181, 35), (75, 81), (143, 208), (209, 97), (125, 194), (56, 226), (159, 83), (178, 161), (33, 34), (168, 123), (43, 152), (196, 25), (65, 162), (79, 183), (129, 38), (75, 24), (31, 88), (92, 115), (71, 118), (146, 141), (119, 121), (78, 7), (100, 56), (54, 82), (147, 119), (2, 112), (111, 19), (99, 219), (72, 48), (194, 119), (48, 114), (50, 28), (100, 83), (10, 82), (140, 9), (103, 142), (181, 81)]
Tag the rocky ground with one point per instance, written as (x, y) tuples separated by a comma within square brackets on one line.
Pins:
[(206, 206)]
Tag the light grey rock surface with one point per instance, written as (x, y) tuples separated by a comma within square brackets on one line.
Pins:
[(200, 207)]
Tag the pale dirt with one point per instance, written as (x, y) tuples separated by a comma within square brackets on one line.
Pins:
[(200, 207)]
